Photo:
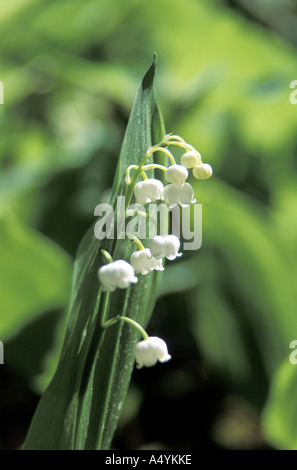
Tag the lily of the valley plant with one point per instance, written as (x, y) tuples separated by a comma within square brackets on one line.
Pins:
[(122, 273), (114, 288)]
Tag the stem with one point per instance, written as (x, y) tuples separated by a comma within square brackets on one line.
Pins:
[(98, 442), (136, 325), (176, 137), (139, 169), (104, 308), (134, 167), (106, 256), (158, 148), (136, 241), (131, 212), (154, 166), (186, 146)]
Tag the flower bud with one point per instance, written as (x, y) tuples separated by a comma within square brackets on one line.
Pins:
[(165, 245), (148, 190), (202, 171), (149, 351), (179, 194), (143, 262), (176, 174), (116, 274), (190, 159)]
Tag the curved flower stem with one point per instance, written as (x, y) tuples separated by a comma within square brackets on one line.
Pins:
[(158, 148), (186, 146), (106, 256), (154, 166), (176, 137), (131, 183), (132, 212), (135, 240), (151, 166), (134, 167), (136, 325)]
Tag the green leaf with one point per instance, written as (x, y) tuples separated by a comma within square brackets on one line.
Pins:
[(81, 406), (280, 413), (34, 278), (255, 264), (180, 277), (244, 309)]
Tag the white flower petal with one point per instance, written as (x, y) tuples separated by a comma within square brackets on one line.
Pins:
[(151, 350), (165, 246), (143, 262), (190, 159), (176, 174), (148, 190), (186, 194), (182, 194), (172, 246), (154, 189), (140, 194), (117, 274), (171, 194), (156, 246), (202, 171)]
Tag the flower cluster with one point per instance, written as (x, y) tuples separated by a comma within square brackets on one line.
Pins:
[(192, 159), (120, 273), (177, 192)]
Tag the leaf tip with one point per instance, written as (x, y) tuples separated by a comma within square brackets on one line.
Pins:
[(148, 79)]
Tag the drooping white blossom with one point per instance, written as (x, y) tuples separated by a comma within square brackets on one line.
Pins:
[(202, 171), (117, 274), (165, 246), (148, 191), (149, 351), (143, 262), (176, 174), (190, 159), (182, 194)]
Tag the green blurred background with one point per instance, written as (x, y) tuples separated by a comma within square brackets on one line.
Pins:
[(227, 311)]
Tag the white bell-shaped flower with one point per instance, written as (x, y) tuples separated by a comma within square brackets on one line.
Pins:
[(149, 351), (143, 262), (117, 274), (165, 246), (190, 159), (202, 171), (176, 174), (182, 194), (148, 190)]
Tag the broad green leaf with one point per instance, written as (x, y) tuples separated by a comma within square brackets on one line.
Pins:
[(256, 266), (254, 70), (180, 277), (12, 11), (221, 337), (35, 275), (280, 413), (80, 408), (33, 353), (244, 309)]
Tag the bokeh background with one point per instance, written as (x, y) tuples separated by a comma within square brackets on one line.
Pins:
[(227, 311)]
